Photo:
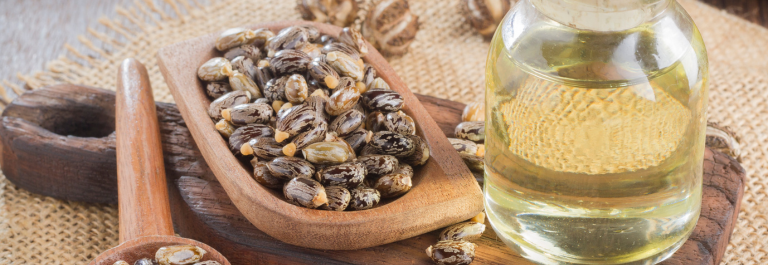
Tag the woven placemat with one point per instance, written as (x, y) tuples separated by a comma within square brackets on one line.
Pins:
[(446, 60)]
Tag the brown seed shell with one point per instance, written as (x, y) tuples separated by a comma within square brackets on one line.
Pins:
[(400, 122), (358, 138), (368, 150), (234, 37), (345, 65), (287, 167), (343, 98), (245, 66), (244, 114), (467, 231), (338, 198), (215, 69), (324, 74), (312, 32), (296, 120), (332, 137), (289, 62), (369, 74), (239, 81), (341, 47), (353, 38), (265, 148), (217, 89), (393, 185), (474, 111), (375, 121), (347, 175), (379, 82), (325, 39), (245, 134), (404, 169), (471, 130), (261, 76), (305, 192), (327, 153), (225, 128), (314, 135), (318, 102), (363, 198), (263, 176), (346, 122), (391, 143), (179, 254), (391, 26), (384, 100), (261, 37), (296, 90), (484, 15), (208, 262), (274, 89), (288, 38), (379, 165), (475, 163), (343, 13), (463, 146), (226, 101), (313, 10), (450, 252), (248, 51), (420, 154)]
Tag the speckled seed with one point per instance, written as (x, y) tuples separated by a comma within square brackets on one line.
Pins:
[(326, 153), (263, 147), (420, 153), (400, 122), (179, 255), (474, 111), (298, 119), (463, 146), (352, 37), (404, 169), (145, 261), (450, 252), (393, 185), (208, 262), (382, 100), (345, 65), (287, 167), (368, 150), (318, 101), (338, 198), (247, 133), (324, 74), (347, 175), (363, 198), (326, 39), (301, 141), (262, 100), (379, 165), (346, 122), (332, 137), (262, 75), (248, 113), (289, 62), (288, 38), (369, 74), (274, 89), (471, 130), (239, 81), (343, 98), (245, 66), (312, 32), (234, 37), (215, 69), (248, 51), (341, 47), (305, 192), (312, 50), (467, 231), (475, 163), (225, 128), (283, 109), (120, 262), (263, 176), (261, 37), (296, 90), (391, 143), (217, 89), (358, 138), (375, 121), (226, 101), (378, 82)]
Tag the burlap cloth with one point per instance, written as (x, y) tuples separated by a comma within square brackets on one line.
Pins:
[(446, 60)]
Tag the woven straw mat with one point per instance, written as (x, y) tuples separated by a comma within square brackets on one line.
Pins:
[(39, 230)]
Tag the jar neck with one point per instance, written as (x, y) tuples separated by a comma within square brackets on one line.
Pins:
[(601, 15)]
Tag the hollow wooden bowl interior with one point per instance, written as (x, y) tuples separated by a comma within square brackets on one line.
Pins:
[(444, 191)]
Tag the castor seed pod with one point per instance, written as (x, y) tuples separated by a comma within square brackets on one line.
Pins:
[(248, 113), (225, 128), (347, 175), (363, 198), (722, 139), (464, 146), (247, 51), (234, 37), (244, 134), (382, 100), (296, 120), (375, 121), (474, 163), (484, 15), (400, 122), (245, 66), (353, 38), (228, 100), (180, 254), (404, 169), (392, 143), (393, 185), (338, 198), (208, 262), (314, 135), (289, 62), (358, 138), (263, 176), (474, 111), (449, 252), (324, 74), (296, 90), (274, 89), (145, 261), (312, 32), (305, 192), (343, 98), (215, 69), (471, 130), (345, 65), (379, 165), (479, 218), (369, 74), (288, 38), (340, 47), (378, 82), (239, 81), (390, 26), (261, 37), (217, 89), (326, 153), (346, 122), (420, 153), (287, 167), (467, 231), (265, 148)]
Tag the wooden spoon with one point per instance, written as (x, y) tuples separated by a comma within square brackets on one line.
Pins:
[(145, 215)]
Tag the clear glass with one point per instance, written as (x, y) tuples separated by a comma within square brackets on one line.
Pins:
[(595, 122)]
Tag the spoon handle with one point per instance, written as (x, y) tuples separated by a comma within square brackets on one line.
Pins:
[(142, 192)]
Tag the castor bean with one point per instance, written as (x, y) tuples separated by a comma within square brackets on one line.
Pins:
[(298, 119), (722, 139), (348, 175), (404, 169), (326, 39), (318, 100), (245, 66), (261, 37), (471, 130), (474, 111), (463, 146), (475, 163), (379, 165), (400, 122), (378, 82), (121, 262), (484, 15), (287, 167), (467, 231), (296, 90), (385, 100), (301, 141), (263, 147), (363, 198), (234, 37), (288, 38), (353, 38), (305, 192), (332, 137), (144, 261), (324, 74), (375, 121), (215, 69), (238, 81), (358, 138), (248, 51), (346, 122), (392, 143), (390, 26), (326, 153), (312, 50), (420, 153), (225, 128), (180, 254), (248, 113), (369, 150), (226, 101), (264, 176), (312, 32), (338, 198), (289, 62), (343, 98), (393, 185), (369, 74), (449, 252), (215, 90), (341, 47), (345, 65)]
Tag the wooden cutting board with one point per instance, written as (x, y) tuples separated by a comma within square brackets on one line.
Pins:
[(59, 141)]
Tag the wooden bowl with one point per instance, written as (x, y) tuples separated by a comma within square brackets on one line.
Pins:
[(444, 190)]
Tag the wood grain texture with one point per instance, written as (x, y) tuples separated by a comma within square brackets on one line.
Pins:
[(202, 210), (444, 190)]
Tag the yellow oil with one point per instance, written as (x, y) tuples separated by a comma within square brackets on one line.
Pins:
[(594, 157)]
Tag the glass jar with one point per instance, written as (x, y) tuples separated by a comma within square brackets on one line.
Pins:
[(595, 126)]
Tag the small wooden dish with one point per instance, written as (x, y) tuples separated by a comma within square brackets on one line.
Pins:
[(444, 191)]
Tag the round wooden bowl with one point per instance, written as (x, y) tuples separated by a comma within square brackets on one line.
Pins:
[(145, 247)]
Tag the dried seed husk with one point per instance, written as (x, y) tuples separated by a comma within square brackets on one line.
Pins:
[(226, 101), (301, 141), (120, 262), (261, 37), (391, 26), (358, 138), (305, 192), (287, 167), (353, 38), (289, 62), (244, 114), (340, 47), (449, 252), (338, 198), (475, 163), (274, 89), (215, 90), (385, 100), (400, 122), (215, 69), (296, 90), (225, 128), (484, 15), (379, 83), (420, 153), (379, 165), (245, 66), (724, 140), (346, 122), (288, 38), (363, 198), (343, 98), (474, 111), (145, 261), (471, 130), (347, 175), (375, 121), (265, 148), (264, 176), (464, 146), (234, 37), (296, 120), (180, 254), (404, 169), (326, 153), (369, 74), (344, 65), (324, 74), (393, 185), (239, 81), (392, 143), (244, 134), (467, 231)]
